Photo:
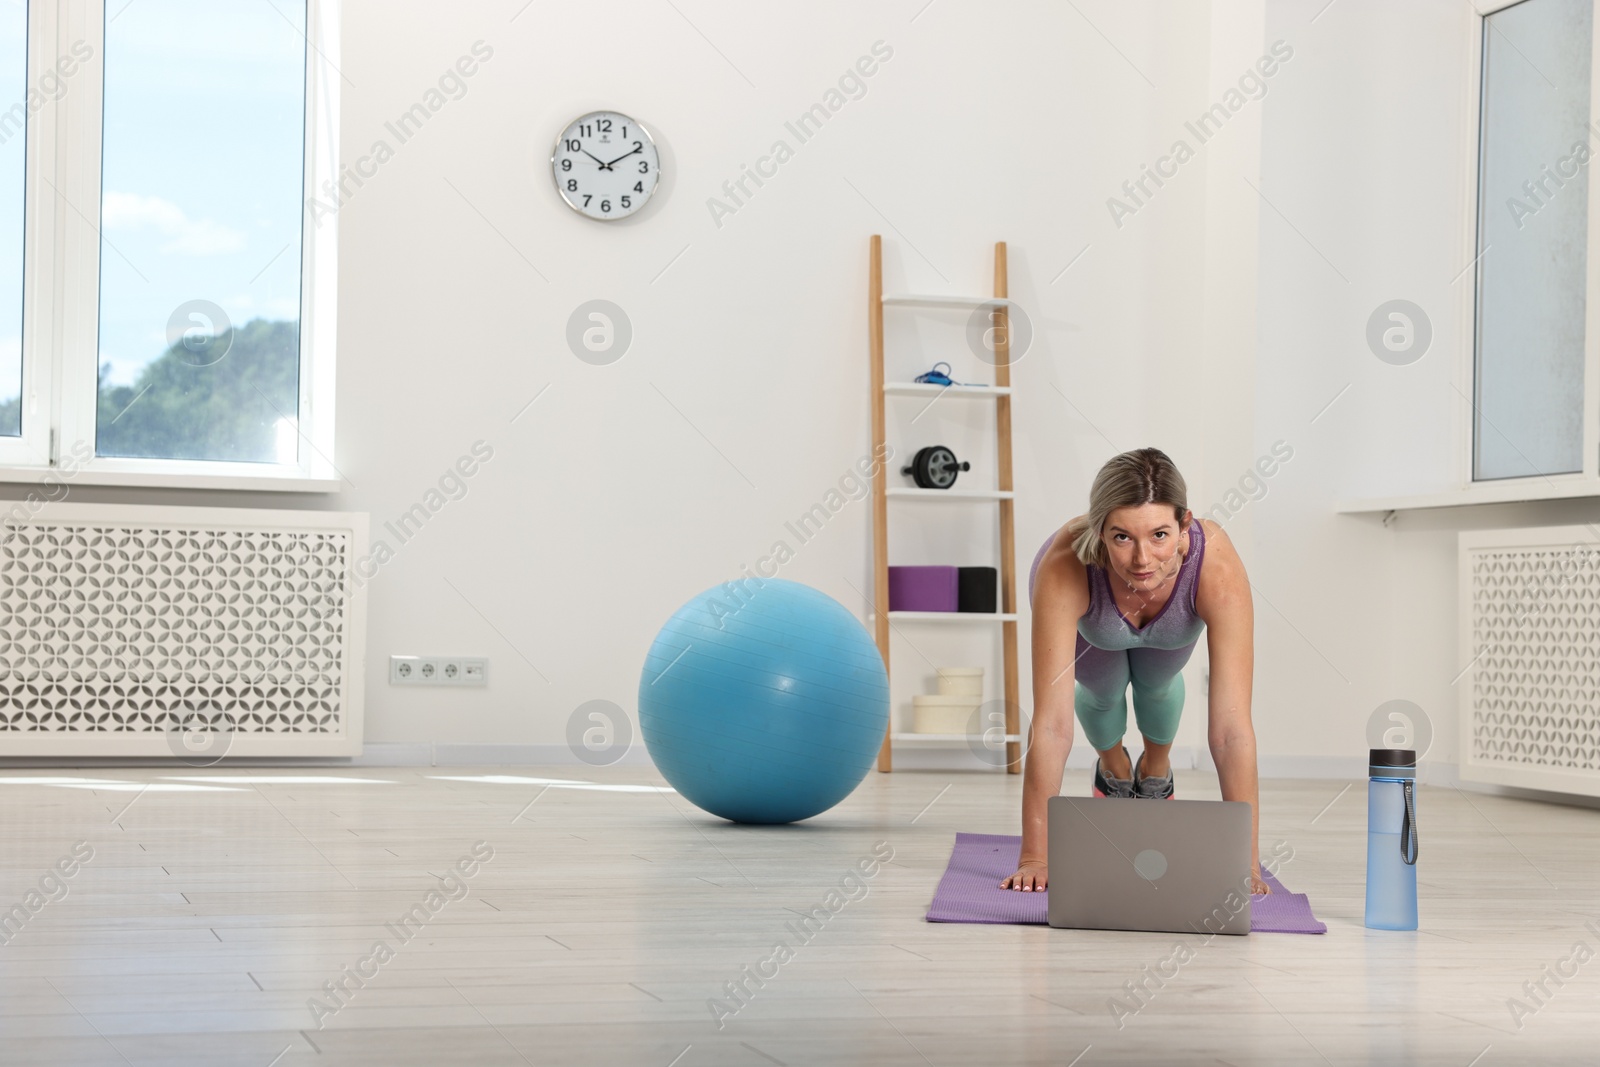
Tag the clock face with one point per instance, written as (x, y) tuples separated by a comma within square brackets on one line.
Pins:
[(605, 165)]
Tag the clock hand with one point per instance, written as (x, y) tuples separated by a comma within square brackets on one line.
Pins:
[(603, 165), (620, 158)]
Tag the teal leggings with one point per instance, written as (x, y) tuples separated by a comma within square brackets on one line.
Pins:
[(1100, 693)]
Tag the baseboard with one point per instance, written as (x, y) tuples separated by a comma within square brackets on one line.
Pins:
[(1184, 757), (1448, 774), (1312, 767), (953, 758), (1302, 768), (395, 754), (483, 754), (373, 754)]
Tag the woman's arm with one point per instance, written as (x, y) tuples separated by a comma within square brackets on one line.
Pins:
[(1060, 597), (1222, 599)]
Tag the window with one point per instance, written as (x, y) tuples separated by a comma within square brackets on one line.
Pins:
[(1534, 409), (168, 319), (13, 162), (199, 347)]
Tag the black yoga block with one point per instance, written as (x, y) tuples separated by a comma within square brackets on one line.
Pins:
[(977, 589)]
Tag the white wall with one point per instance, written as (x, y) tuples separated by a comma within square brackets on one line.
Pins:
[(605, 508), (1366, 153)]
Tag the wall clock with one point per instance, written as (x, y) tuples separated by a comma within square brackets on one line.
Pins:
[(605, 165)]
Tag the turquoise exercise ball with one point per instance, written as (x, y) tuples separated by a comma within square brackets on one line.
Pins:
[(763, 701)]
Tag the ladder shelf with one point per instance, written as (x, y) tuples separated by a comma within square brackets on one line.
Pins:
[(925, 389), (998, 306), (952, 494), (954, 616), (940, 301)]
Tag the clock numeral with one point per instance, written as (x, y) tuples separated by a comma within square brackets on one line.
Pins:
[(572, 185), (638, 146), (586, 198), (603, 125), (566, 164), (644, 168), (605, 205), (624, 133), (572, 145), (638, 187), (625, 202), (585, 131)]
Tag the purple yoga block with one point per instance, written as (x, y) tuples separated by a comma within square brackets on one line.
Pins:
[(923, 588)]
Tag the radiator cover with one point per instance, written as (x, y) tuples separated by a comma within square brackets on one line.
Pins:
[(1530, 637), (200, 633)]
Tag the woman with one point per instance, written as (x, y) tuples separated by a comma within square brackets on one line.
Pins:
[(1120, 596)]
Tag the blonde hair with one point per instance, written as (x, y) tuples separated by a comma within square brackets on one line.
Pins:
[(1143, 476)]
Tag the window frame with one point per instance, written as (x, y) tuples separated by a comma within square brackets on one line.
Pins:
[(1581, 483), (61, 272)]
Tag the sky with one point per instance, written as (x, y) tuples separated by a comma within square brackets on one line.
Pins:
[(203, 152)]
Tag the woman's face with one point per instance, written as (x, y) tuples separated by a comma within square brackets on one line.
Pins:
[(1142, 545)]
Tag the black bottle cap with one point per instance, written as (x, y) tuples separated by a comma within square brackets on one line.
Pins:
[(1392, 763)]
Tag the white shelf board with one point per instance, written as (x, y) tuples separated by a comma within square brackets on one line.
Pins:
[(1555, 487), (953, 616), (936, 300), (925, 389), (904, 738), (954, 494)]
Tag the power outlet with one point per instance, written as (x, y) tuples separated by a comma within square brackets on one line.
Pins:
[(455, 671)]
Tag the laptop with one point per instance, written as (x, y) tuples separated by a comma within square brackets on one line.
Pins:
[(1172, 865)]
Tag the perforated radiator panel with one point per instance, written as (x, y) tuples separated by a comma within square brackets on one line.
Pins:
[(1530, 636), (122, 629)]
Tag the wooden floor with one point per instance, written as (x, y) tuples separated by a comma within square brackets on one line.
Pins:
[(608, 919)]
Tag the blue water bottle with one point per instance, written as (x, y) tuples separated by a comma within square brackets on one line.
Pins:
[(1392, 839)]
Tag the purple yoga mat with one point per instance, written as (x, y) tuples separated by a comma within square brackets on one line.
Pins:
[(970, 892)]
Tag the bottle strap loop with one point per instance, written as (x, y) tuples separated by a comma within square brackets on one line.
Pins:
[(1408, 829)]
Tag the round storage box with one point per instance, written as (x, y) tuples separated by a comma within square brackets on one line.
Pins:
[(961, 681), (944, 714)]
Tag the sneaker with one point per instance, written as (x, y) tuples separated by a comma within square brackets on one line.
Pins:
[(1147, 788), (1107, 786)]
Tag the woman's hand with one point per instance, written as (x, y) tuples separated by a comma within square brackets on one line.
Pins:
[(1258, 885), (1031, 875)]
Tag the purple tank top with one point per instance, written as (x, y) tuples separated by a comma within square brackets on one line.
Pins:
[(1175, 626)]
